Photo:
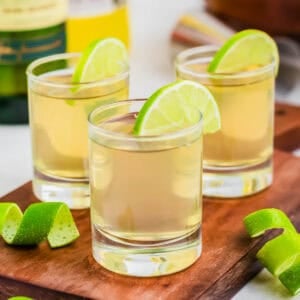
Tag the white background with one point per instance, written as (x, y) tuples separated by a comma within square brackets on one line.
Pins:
[(151, 67)]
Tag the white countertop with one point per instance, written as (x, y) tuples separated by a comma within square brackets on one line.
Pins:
[(151, 67)]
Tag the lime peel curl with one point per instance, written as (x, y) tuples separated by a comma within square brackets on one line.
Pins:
[(52, 221), (280, 255)]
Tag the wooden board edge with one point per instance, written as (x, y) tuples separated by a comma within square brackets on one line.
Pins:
[(10, 288)]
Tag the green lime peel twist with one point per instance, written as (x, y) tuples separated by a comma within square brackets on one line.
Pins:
[(52, 221), (280, 255)]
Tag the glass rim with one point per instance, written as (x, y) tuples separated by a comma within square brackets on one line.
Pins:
[(121, 137), (182, 57), (66, 56)]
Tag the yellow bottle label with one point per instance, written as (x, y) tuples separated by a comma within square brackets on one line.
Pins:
[(96, 19), (18, 15)]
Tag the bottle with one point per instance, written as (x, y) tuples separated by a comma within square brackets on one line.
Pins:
[(29, 29), (92, 19)]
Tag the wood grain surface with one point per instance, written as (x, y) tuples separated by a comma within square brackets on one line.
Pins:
[(227, 263)]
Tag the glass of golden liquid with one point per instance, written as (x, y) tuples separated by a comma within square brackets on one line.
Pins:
[(59, 129), (237, 160), (146, 199)]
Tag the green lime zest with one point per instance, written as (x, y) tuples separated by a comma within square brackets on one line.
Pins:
[(245, 50), (52, 221), (281, 254), (258, 222), (290, 278)]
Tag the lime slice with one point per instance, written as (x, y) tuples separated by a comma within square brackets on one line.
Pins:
[(101, 59), (175, 106), (259, 221), (245, 50), (291, 278), (53, 221)]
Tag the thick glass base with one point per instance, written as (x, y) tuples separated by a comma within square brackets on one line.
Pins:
[(75, 194), (146, 259), (237, 182)]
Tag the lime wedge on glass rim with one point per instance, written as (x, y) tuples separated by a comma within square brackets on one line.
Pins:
[(175, 106), (243, 51), (101, 59)]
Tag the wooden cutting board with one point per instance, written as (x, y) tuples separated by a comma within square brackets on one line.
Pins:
[(228, 259)]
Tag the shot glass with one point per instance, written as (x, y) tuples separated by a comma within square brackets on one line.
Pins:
[(237, 160), (58, 111), (146, 200)]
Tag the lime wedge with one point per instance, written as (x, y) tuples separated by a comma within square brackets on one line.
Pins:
[(53, 221), (175, 106), (101, 59), (245, 50), (291, 278)]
